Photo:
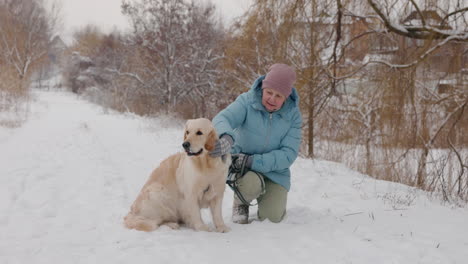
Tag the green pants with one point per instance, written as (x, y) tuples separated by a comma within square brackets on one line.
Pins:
[(271, 204)]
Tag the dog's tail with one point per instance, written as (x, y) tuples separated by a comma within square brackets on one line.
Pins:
[(140, 223)]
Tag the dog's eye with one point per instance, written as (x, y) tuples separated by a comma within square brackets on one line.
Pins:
[(199, 133), (186, 132)]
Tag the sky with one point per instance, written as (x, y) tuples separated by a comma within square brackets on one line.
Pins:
[(106, 13)]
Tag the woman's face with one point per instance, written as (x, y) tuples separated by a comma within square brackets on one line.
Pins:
[(272, 100)]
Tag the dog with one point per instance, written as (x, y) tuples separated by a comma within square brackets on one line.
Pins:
[(183, 184)]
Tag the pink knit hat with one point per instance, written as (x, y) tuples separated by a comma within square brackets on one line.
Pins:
[(280, 78)]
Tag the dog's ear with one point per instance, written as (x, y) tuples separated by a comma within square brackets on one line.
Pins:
[(211, 141)]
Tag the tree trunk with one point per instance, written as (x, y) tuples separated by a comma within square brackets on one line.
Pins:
[(421, 174), (368, 156), (311, 122)]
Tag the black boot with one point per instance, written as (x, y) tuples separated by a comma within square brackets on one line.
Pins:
[(240, 212)]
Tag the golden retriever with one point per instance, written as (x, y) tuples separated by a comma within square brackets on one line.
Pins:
[(183, 184)]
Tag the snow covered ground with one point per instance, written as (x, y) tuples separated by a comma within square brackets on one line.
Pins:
[(71, 172)]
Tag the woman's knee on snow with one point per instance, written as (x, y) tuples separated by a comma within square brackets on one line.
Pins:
[(274, 216)]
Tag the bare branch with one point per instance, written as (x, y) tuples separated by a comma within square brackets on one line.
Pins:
[(337, 41), (424, 32), (126, 74), (397, 66), (423, 19), (453, 13)]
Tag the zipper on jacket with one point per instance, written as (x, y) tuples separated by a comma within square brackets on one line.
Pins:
[(268, 132)]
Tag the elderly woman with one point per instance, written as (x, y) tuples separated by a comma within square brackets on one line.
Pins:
[(262, 129)]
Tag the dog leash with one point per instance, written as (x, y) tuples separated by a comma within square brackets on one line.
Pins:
[(235, 174)]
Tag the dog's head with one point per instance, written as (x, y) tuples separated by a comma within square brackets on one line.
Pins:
[(199, 137)]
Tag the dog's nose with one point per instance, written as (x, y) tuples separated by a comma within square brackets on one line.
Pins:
[(186, 145)]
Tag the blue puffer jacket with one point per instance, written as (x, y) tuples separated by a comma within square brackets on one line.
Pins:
[(273, 139)]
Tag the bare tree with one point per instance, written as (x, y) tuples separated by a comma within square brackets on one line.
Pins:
[(176, 42), (309, 51), (436, 22), (25, 31), (452, 26), (26, 28), (201, 72)]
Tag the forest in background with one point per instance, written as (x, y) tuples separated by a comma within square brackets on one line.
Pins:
[(383, 83)]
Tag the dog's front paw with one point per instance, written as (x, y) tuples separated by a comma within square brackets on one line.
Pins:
[(223, 229), (202, 227), (173, 225)]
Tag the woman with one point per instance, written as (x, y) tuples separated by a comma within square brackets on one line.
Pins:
[(262, 129)]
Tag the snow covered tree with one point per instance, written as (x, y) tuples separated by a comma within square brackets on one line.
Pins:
[(177, 44), (26, 28), (424, 21), (25, 31)]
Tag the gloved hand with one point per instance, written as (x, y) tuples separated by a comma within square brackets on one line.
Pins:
[(241, 160), (222, 146)]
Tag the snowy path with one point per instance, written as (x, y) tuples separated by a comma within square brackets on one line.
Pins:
[(69, 175)]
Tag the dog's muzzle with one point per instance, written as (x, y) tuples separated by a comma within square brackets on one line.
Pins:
[(186, 146)]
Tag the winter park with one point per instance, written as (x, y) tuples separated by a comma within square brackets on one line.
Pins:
[(95, 95)]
